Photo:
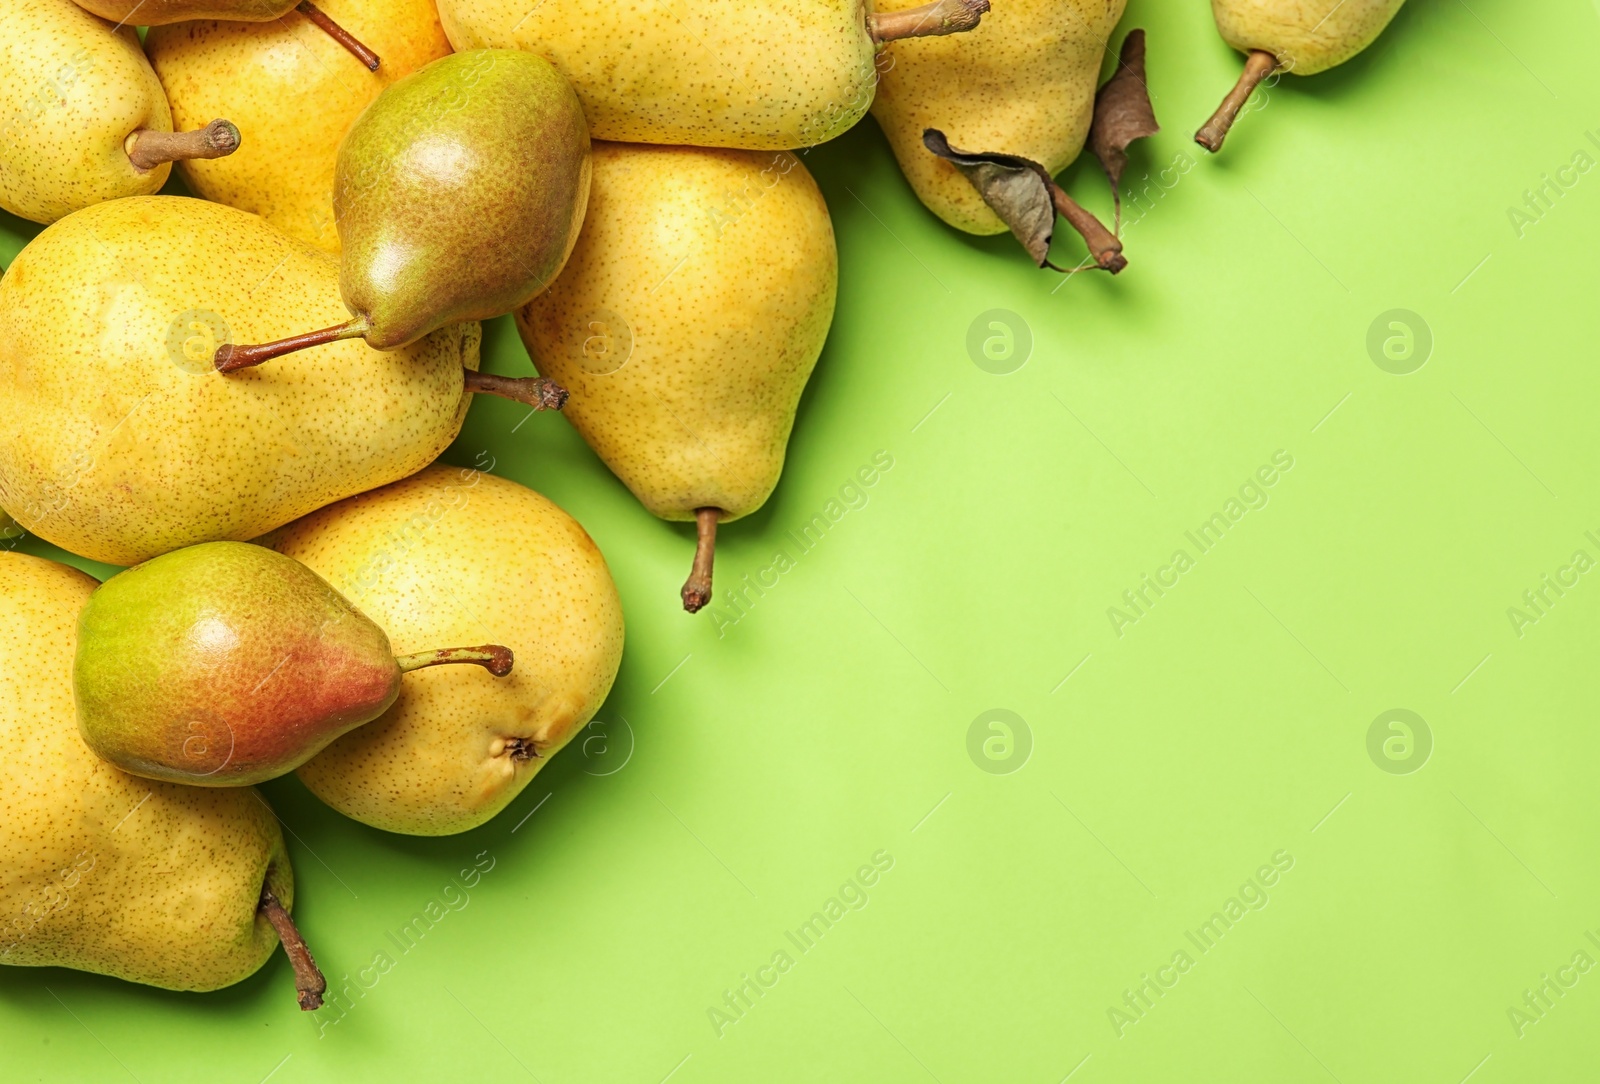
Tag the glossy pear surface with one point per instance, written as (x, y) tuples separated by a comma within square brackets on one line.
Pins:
[(726, 73), (459, 193), (446, 555), (225, 664), (689, 319), (1307, 36), (101, 871), (295, 91), (118, 439), (73, 88), (1022, 83), (162, 12)]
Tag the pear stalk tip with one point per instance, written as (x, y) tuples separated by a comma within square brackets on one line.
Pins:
[(309, 982), (339, 34), (928, 21), (1103, 244), (697, 588), (1257, 66), (230, 358), (148, 149), (538, 392)]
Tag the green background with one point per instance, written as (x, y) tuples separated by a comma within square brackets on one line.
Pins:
[(744, 778)]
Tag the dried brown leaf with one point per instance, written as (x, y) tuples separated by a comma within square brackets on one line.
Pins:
[(1122, 114)]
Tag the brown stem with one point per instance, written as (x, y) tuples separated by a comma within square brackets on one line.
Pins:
[(1103, 245), (536, 391), (1257, 66), (339, 34), (230, 358), (147, 149), (697, 588), (927, 21), (492, 657), (308, 981)]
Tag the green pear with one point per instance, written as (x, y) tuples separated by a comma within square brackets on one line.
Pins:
[(453, 555), (170, 886), (1301, 37), (227, 664), (119, 441), (459, 193), (754, 74), (82, 117), (286, 84), (686, 326), (1023, 83), (9, 528)]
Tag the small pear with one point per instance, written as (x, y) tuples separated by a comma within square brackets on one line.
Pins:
[(686, 326), (166, 12), (459, 194), (453, 555), (170, 886), (1301, 37), (82, 117), (227, 664), (118, 440), (753, 74), (291, 88), (1023, 83)]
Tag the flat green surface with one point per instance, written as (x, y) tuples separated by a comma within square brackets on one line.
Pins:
[(1171, 757)]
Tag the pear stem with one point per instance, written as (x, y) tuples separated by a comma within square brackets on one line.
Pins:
[(538, 392), (230, 358), (1257, 66), (1103, 245), (148, 149), (492, 657), (928, 21), (697, 588), (339, 34), (308, 980)]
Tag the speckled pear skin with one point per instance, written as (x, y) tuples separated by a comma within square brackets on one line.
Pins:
[(162, 12), (101, 871), (120, 442), (74, 89), (755, 74), (1304, 35), (1022, 83), (225, 664), (460, 556), (295, 91), (459, 193), (714, 274)]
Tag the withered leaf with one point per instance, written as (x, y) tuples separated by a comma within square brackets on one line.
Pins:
[(1122, 114), (1015, 188)]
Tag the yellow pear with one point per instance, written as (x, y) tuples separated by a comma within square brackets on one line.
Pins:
[(757, 74), (458, 552), (157, 883), (686, 324), (295, 92), (119, 440), (82, 116), (1023, 83), (1302, 37)]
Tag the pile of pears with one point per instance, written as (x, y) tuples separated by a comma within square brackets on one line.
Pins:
[(241, 398)]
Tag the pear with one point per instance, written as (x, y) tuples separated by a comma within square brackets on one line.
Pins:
[(754, 74), (1023, 84), (227, 664), (119, 442), (166, 12), (686, 325), (456, 555), (1302, 37), (459, 193), (287, 84), (82, 116), (170, 886)]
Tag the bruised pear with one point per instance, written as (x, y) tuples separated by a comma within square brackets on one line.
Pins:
[(226, 664)]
